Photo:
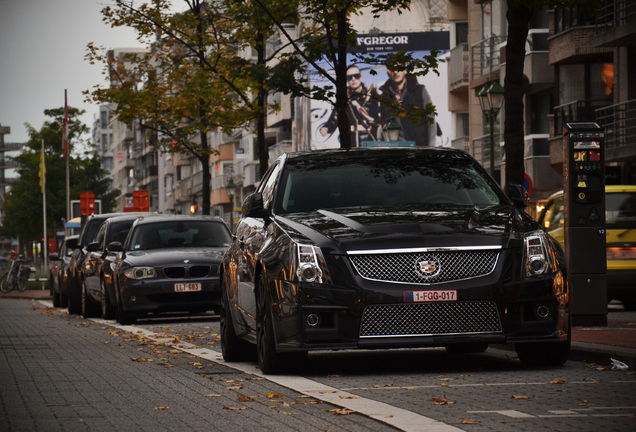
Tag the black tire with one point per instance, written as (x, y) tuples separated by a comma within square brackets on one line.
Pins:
[(233, 347), (467, 348), (271, 361), (108, 311), (543, 354), (23, 278), (121, 316), (4, 284), (88, 309), (74, 298)]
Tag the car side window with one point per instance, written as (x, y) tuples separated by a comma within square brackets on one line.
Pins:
[(101, 233), (269, 185)]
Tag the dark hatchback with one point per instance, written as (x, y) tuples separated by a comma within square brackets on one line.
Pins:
[(169, 264), (389, 248)]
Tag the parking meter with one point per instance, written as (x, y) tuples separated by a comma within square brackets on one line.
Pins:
[(584, 198)]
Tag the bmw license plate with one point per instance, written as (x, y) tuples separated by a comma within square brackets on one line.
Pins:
[(187, 287), (430, 296)]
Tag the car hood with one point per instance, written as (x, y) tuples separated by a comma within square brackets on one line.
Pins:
[(386, 228), (163, 257)]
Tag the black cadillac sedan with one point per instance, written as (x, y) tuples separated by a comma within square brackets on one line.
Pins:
[(389, 248), (169, 264)]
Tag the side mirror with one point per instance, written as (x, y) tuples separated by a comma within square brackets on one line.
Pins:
[(93, 247), (115, 247), (71, 243), (253, 206), (517, 195), (54, 257)]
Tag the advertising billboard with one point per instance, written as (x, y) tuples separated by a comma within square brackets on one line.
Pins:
[(372, 123)]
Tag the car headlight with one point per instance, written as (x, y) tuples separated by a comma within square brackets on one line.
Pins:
[(538, 255), (310, 264), (140, 272)]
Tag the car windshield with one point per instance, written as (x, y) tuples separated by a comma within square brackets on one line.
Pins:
[(179, 234), (380, 182), (620, 209)]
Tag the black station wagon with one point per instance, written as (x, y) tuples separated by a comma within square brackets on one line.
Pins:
[(389, 248)]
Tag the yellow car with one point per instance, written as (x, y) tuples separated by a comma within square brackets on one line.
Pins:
[(620, 219)]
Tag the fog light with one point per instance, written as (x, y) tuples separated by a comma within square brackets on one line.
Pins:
[(543, 311), (313, 320), (132, 298)]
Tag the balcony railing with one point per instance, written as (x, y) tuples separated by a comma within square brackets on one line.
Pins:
[(618, 122), (616, 13), (486, 55), (582, 110), (459, 64), (481, 150)]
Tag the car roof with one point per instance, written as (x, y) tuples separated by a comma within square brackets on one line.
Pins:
[(382, 152), (155, 218)]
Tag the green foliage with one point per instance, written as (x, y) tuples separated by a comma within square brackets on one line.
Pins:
[(22, 212)]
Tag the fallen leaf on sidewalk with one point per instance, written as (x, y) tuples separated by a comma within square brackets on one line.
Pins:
[(212, 395), (558, 381), (519, 397), (141, 359), (162, 408), (342, 411), (234, 408), (469, 422), (242, 398), (349, 397), (440, 401), (586, 403), (271, 395)]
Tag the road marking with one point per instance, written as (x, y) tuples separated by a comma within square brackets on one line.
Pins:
[(396, 417), (507, 413)]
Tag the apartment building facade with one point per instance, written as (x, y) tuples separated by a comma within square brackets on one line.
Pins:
[(576, 68)]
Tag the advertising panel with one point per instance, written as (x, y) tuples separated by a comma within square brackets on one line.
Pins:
[(372, 124)]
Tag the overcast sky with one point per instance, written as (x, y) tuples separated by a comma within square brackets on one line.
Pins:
[(42, 48)]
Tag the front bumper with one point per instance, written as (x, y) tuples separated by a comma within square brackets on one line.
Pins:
[(160, 296), (375, 315)]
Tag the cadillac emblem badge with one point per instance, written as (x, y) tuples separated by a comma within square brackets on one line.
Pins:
[(427, 267)]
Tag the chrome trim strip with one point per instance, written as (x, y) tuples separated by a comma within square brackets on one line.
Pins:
[(420, 250), (430, 334)]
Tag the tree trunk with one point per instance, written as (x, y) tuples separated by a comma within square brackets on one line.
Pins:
[(204, 157), (261, 145), (518, 16), (342, 98)]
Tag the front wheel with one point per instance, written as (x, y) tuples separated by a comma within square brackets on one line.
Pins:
[(233, 347), (270, 360), (108, 311), (4, 284)]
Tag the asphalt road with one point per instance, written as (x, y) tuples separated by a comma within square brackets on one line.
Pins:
[(61, 372)]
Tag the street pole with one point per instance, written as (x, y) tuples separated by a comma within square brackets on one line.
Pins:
[(491, 119)]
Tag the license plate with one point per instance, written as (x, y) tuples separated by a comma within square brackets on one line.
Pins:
[(430, 296), (187, 287)]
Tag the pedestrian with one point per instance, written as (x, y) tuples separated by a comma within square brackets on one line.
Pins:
[(363, 110), (404, 87)]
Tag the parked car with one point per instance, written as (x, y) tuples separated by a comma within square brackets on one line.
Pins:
[(389, 248), (58, 274), (76, 266), (620, 221), (98, 292), (169, 263)]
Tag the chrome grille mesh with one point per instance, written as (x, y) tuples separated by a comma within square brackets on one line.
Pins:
[(417, 319), (425, 267)]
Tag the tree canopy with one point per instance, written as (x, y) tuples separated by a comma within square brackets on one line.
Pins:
[(23, 211)]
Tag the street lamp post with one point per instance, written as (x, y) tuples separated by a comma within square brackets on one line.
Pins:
[(230, 187), (491, 98)]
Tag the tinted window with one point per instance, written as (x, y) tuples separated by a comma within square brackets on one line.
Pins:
[(119, 231), (395, 182), (171, 234), (620, 209)]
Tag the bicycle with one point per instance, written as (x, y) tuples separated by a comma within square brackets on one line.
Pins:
[(17, 276)]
